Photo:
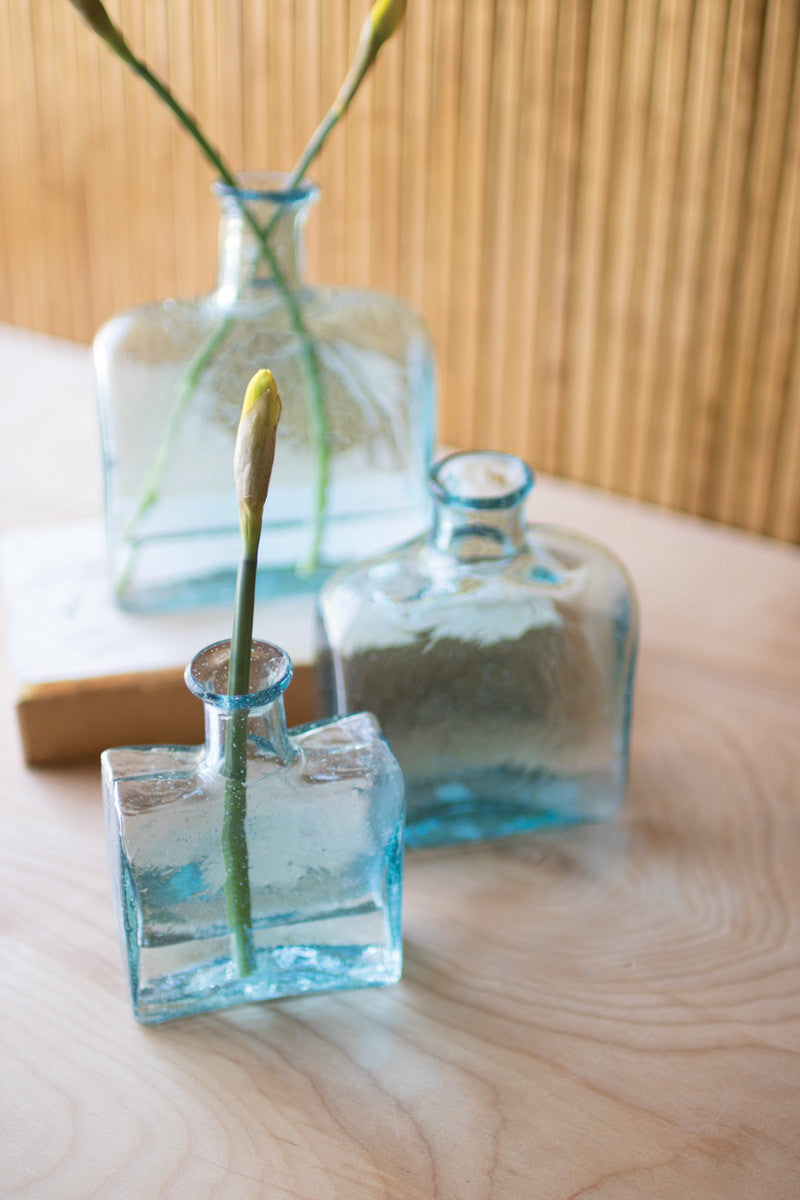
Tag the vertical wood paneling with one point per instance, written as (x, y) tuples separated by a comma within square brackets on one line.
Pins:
[(141, 121), (627, 184), (650, 258), (561, 167), (357, 137), (495, 246), (595, 203), (466, 217), (704, 66), (441, 118), (773, 270), (26, 177), (757, 220), (308, 66), (333, 165), (384, 182), (720, 292), (535, 103), (774, 501), (188, 178), (676, 184), (783, 511), (280, 67), (591, 218)]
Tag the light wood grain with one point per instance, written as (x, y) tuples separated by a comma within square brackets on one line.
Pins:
[(593, 202), (611, 1012)]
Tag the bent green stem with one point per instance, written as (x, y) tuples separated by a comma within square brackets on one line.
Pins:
[(309, 355), (382, 21), (155, 474), (187, 387)]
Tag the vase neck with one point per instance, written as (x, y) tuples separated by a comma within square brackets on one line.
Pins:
[(264, 729), (479, 505), (258, 717), (244, 271)]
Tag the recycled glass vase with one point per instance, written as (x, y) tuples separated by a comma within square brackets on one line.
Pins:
[(170, 376), (319, 817), (498, 659)]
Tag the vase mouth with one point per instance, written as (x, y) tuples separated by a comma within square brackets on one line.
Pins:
[(481, 479), (266, 187), (270, 674)]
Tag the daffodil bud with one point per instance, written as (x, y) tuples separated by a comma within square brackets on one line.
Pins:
[(255, 453), (96, 17), (383, 19)]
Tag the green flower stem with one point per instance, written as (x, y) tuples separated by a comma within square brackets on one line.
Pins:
[(234, 843), (310, 357), (152, 485), (318, 418), (242, 636), (234, 835), (253, 458), (382, 21), (186, 389)]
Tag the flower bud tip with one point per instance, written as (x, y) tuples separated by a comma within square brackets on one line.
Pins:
[(384, 17), (254, 454)]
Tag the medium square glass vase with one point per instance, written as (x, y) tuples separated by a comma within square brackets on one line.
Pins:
[(498, 657), (274, 877)]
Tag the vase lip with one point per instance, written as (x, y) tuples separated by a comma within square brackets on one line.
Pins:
[(481, 479), (270, 671), (269, 186)]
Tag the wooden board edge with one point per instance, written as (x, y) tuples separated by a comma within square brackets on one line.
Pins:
[(74, 720)]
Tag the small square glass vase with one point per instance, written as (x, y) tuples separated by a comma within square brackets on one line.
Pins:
[(274, 877)]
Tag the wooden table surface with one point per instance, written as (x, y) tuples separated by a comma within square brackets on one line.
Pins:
[(610, 1012)]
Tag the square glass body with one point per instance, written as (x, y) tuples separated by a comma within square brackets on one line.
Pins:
[(324, 840), (350, 469), (498, 659)]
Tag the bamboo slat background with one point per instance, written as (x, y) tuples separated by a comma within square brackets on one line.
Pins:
[(595, 203)]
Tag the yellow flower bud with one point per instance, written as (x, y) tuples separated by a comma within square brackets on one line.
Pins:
[(96, 17), (384, 17), (254, 454)]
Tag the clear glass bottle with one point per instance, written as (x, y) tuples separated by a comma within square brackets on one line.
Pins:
[(321, 815), (168, 435), (497, 657)]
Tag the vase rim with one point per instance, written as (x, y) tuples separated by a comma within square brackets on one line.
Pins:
[(270, 670), (266, 186), (481, 479)]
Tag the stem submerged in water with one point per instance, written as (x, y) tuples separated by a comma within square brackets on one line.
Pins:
[(318, 418), (234, 834), (205, 355)]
